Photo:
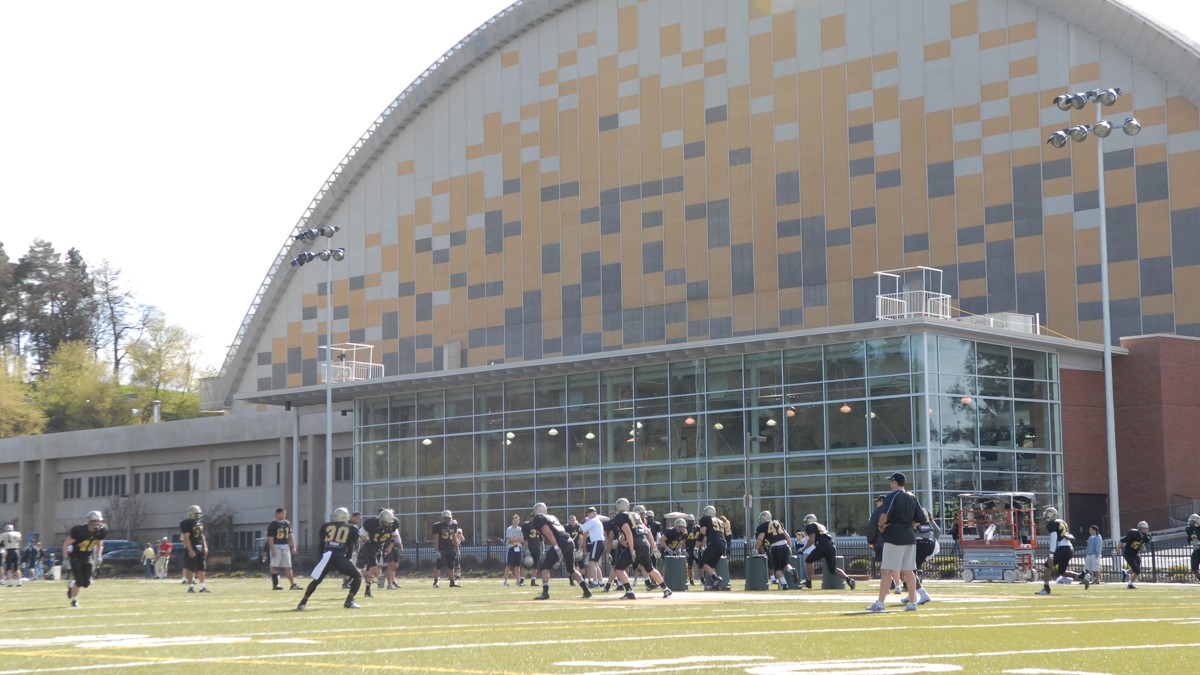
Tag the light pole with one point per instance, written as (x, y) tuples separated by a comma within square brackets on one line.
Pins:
[(1078, 133), (748, 499), (329, 255)]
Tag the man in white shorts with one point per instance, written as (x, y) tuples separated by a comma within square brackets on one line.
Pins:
[(593, 538), (900, 511), (282, 542)]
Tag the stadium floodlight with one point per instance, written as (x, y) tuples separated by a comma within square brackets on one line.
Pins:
[(1131, 127), (1057, 139)]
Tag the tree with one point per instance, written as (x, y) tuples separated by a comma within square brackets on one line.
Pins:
[(19, 414), (9, 324), (163, 364), (125, 513), (120, 321), (55, 300), (76, 391)]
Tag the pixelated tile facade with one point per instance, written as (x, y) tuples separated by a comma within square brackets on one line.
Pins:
[(627, 174)]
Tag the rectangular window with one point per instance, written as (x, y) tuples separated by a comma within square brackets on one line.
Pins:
[(343, 468), (16, 492), (304, 471), (253, 475), (179, 481), (3, 493), (137, 483)]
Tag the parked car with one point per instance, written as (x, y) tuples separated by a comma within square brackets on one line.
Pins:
[(111, 545), (122, 559)]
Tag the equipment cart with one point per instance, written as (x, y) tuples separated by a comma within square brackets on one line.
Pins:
[(997, 535)]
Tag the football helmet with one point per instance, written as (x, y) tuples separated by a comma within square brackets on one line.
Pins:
[(649, 514), (447, 515), (528, 561), (95, 516), (8, 527), (1194, 519), (194, 512), (680, 522), (640, 510), (1143, 526), (165, 539), (764, 517), (341, 515), (387, 516), (1050, 513), (539, 509), (622, 505), (810, 519), (709, 511)]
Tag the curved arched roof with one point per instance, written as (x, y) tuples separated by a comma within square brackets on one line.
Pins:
[(1159, 49)]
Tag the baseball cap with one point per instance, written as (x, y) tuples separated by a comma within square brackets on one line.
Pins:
[(591, 509), (881, 498), (898, 477)]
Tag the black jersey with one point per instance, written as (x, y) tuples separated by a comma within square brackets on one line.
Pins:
[(1058, 527), (713, 532), (560, 533), (379, 532), (445, 532), (693, 533), (636, 527), (193, 529), (817, 534), (85, 540), (1134, 540), (1193, 535), (279, 532), (654, 526), (574, 531), (338, 537), (674, 539), (773, 532), (533, 538)]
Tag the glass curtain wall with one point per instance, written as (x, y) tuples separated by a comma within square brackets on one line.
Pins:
[(807, 430)]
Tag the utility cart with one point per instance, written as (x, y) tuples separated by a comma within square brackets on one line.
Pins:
[(997, 535)]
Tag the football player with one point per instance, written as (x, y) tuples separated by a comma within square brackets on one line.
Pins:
[(693, 535), (712, 538), (561, 553), (81, 543), (821, 547), (674, 538), (771, 538), (634, 548), (1134, 541), (1062, 551), (575, 532), (381, 532), (338, 537), (196, 563), (533, 550), (10, 540), (281, 545), (446, 534), (1193, 539)]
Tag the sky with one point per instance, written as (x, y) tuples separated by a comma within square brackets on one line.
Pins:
[(182, 141)]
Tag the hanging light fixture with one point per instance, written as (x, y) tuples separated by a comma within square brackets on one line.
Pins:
[(791, 412), (590, 436), (552, 432), (771, 422), (845, 408), (427, 441)]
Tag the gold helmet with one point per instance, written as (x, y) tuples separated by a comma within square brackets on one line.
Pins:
[(1194, 519), (387, 516), (709, 511), (539, 509), (764, 517), (1143, 526), (810, 519), (447, 515), (194, 512), (640, 510), (95, 517), (622, 505), (341, 515), (680, 522), (1050, 513)]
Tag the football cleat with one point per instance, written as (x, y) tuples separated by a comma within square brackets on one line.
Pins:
[(367, 594), (666, 593), (910, 606), (300, 607), (191, 590), (876, 607), (74, 602), (587, 593), (1044, 591), (630, 596), (295, 587), (850, 583), (350, 604)]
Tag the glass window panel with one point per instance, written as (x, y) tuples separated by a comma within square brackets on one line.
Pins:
[(804, 365), (804, 393), (849, 483), (654, 439), (844, 390), (765, 426), (955, 356), (651, 381), (726, 434), (806, 428), (888, 462), (518, 451), (993, 360), (551, 392), (458, 453), (616, 385), (957, 421), (1041, 484), (893, 385), (887, 356), (845, 361), (1034, 462), (431, 459), (1030, 389), (585, 444), (651, 407), (846, 462), (653, 474), (995, 422), (488, 486), (724, 400), (615, 442), (990, 460), (583, 388), (1029, 364), (551, 489), (959, 459), (686, 377), (489, 452), (583, 478), (402, 416), (724, 373), (461, 486), (372, 411), (847, 424), (956, 481), (521, 486), (799, 506), (622, 477), (402, 459), (690, 441), (1033, 424), (992, 386), (891, 422), (764, 370), (848, 514), (806, 475), (551, 447)]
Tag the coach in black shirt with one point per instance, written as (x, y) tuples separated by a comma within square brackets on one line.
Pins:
[(900, 510)]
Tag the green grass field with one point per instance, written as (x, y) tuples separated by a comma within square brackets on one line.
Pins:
[(135, 626)]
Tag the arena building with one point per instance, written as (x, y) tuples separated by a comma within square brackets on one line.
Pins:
[(757, 254)]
